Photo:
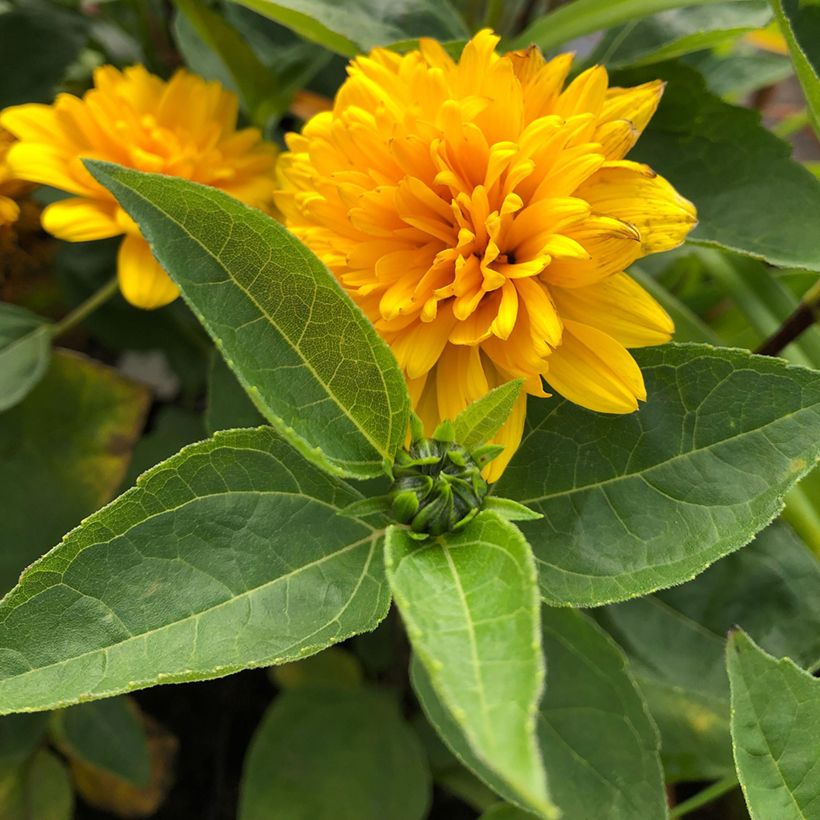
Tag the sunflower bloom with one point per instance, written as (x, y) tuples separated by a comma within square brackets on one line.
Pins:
[(482, 216), (184, 127)]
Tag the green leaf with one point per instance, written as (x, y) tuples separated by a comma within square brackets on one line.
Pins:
[(480, 421), (470, 604), (775, 718), (638, 502), (334, 755), (510, 510), (38, 790), (740, 73), (228, 404), (359, 25), (107, 735), (19, 737), (757, 201), (799, 21), (675, 641), (25, 350), (63, 452), (313, 364), (257, 86), (678, 31), (599, 745), (228, 555), (22, 34), (504, 811), (582, 17)]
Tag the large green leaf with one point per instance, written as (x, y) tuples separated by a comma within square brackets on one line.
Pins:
[(751, 196), (25, 348), (334, 754), (63, 452), (799, 20), (107, 735), (740, 73), (675, 641), (228, 555), (643, 501), (469, 601), (359, 25), (679, 31), (582, 17), (775, 724), (314, 365), (599, 745)]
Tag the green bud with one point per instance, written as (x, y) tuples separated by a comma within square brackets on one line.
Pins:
[(438, 485)]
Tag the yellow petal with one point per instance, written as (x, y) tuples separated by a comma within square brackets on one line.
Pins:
[(9, 210), (80, 220), (591, 369), (634, 193), (45, 165), (142, 281), (637, 105), (619, 307)]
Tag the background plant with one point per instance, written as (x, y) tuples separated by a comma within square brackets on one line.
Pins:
[(572, 662)]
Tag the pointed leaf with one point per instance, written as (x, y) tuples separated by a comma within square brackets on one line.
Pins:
[(353, 27), (228, 555), (481, 420), (643, 501), (800, 23), (25, 348), (334, 754), (312, 363), (775, 725), (470, 604), (599, 745)]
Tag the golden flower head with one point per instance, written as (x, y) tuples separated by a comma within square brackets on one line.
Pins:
[(184, 127), (482, 216)]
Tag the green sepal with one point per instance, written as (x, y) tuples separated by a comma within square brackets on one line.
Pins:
[(485, 454), (511, 510), (366, 506)]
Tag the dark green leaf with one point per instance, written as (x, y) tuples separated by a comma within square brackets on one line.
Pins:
[(359, 25), (599, 745), (582, 17), (334, 755), (775, 722), (106, 735), (25, 348), (643, 501), (675, 641), (19, 737), (481, 420), (504, 811), (469, 601), (799, 20), (311, 361), (23, 35), (740, 73), (679, 31), (38, 790), (758, 200), (63, 452), (226, 556), (228, 404)]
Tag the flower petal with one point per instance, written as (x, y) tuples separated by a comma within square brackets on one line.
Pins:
[(142, 281), (590, 368), (619, 307), (81, 220), (634, 193)]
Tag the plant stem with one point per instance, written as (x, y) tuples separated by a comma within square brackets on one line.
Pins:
[(709, 794), (84, 309), (801, 319)]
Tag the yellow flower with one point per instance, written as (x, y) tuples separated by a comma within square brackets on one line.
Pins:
[(482, 217), (184, 127), (10, 188)]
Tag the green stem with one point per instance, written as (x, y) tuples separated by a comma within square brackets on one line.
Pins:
[(706, 796), (84, 309), (801, 319)]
